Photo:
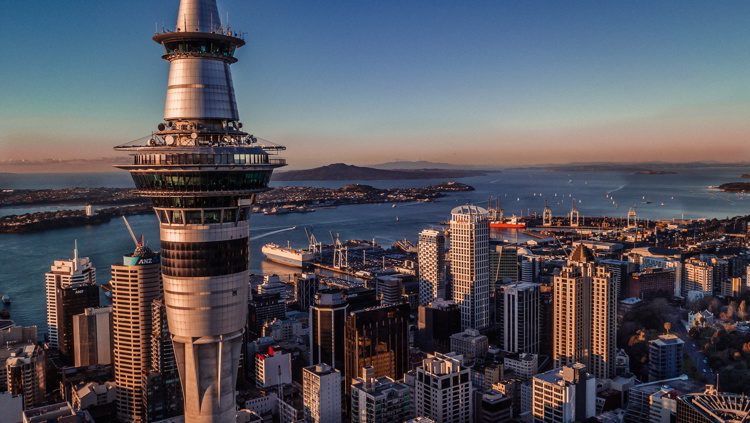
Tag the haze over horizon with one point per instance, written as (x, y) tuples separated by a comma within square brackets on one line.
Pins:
[(490, 84)]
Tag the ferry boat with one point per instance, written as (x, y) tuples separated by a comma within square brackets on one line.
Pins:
[(512, 223), (287, 256)]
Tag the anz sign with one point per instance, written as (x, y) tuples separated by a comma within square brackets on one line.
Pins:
[(140, 261)]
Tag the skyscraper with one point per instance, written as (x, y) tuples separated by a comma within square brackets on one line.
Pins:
[(327, 319), (136, 283), (585, 315), (503, 264), (203, 173), (321, 391), (431, 257), (442, 389), (71, 288), (470, 233), (518, 316)]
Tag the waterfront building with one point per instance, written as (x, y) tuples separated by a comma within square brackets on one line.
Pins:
[(92, 337), (503, 264), (377, 338), (519, 317), (321, 392), (305, 287), (203, 173), (585, 315), (71, 288), (665, 357), (442, 389), (470, 344), (563, 395), (431, 258), (436, 322), (379, 399), (327, 318), (136, 283), (470, 265)]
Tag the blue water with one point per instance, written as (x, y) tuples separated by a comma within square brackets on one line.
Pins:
[(26, 257)]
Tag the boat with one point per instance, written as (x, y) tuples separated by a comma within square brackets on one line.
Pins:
[(512, 223), (287, 256), (6, 299)]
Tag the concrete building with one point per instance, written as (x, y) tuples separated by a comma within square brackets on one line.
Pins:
[(377, 338), (25, 373), (492, 407), (203, 173), (321, 391), (92, 337), (523, 365), (470, 344), (379, 400), (431, 259), (665, 357), (273, 368), (563, 395), (96, 398), (697, 275), (71, 288), (519, 317), (54, 413), (470, 265), (136, 283), (652, 282), (503, 264), (585, 315), (327, 319), (436, 322), (442, 389), (389, 290)]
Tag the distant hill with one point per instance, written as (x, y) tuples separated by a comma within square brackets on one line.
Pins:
[(415, 165), (345, 172)]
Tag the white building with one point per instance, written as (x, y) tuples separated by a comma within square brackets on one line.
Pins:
[(431, 257), (321, 387), (563, 395), (470, 265), (523, 365), (273, 368), (518, 315), (442, 389), (470, 344)]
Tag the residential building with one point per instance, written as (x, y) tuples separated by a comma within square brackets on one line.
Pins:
[(563, 395), (273, 368), (321, 388), (665, 357), (470, 265), (442, 389), (379, 399), (431, 259)]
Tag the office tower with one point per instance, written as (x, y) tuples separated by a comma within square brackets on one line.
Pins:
[(665, 357), (389, 290), (263, 308), (585, 315), (470, 344), (203, 173), (71, 288), (25, 374), (321, 392), (712, 406), (563, 395), (360, 298), (436, 322), (327, 319), (470, 265), (503, 264), (518, 316), (273, 368), (377, 338), (163, 397), (136, 283), (379, 399), (619, 271), (305, 287), (697, 275), (92, 337), (442, 389), (431, 257), (531, 267)]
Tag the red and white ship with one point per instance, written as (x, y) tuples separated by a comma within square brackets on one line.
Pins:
[(512, 223)]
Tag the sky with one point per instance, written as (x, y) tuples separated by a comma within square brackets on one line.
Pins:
[(469, 82)]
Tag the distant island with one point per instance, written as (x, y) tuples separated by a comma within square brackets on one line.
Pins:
[(345, 172), (745, 175), (655, 172), (735, 187)]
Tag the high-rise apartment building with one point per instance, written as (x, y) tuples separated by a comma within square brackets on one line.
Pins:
[(321, 394), (25, 372), (431, 258), (470, 265), (71, 288), (379, 399), (563, 395), (377, 338), (327, 319), (442, 389), (518, 316), (585, 315), (92, 337), (136, 283), (665, 357), (203, 173), (697, 275)]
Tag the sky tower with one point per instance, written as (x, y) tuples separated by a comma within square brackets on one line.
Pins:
[(203, 172)]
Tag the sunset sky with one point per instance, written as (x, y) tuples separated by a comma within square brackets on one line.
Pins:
[(480, 82)]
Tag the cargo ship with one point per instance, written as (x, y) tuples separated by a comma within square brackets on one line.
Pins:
[(512, 223), (287, 256)]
